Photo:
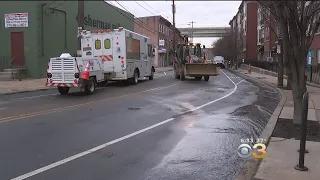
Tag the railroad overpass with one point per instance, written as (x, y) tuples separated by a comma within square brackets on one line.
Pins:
[(204, 31)]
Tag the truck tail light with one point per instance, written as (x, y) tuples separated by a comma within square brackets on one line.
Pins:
[(76, 75)]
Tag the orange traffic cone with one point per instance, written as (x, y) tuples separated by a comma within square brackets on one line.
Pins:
[(85, 74)]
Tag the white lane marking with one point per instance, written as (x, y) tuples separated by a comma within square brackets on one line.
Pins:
[(89, 151), (71, 158), (240, 81), (44, 95)]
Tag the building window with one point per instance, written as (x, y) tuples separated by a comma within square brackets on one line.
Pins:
[(107, 44), (97, 44), (159, 27)]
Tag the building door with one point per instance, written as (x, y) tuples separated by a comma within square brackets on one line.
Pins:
[(17, 48)]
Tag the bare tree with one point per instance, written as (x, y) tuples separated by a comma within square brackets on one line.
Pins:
[(298, 21), (225, 46), (270, 20)]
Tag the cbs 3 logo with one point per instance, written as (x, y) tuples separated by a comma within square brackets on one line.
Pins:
[(258, 151)]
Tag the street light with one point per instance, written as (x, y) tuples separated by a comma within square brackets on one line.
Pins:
[(192, 22)]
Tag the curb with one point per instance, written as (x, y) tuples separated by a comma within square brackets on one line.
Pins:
[(18, 92), (45, 89), (252, 165)]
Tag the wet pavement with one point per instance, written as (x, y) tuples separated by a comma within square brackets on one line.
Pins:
[(160, 129)]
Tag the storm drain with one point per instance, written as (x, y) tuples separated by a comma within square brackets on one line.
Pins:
[(134, 108)]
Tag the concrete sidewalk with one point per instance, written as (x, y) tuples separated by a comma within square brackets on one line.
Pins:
[(287, 111), (15, 86), (163, 69), (282, 153)]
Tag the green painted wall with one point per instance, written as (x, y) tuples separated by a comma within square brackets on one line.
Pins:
[(30, 38), (54, 31)]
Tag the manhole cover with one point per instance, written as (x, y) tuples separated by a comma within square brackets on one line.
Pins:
[(133, 108)]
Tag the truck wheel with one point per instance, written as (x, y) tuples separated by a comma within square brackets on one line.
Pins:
[(176, 75), (91, 86), (63, 90), (182, 76), (152, 75), (206, 78), (135, 78), (199, 78)]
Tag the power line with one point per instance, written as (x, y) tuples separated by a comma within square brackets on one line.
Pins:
[(129, 11), (133, 20), (144, 8), (137, 19), (151, 7)]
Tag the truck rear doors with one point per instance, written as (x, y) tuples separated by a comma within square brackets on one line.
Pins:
[(103, 48)]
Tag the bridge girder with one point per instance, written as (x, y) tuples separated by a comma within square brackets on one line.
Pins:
[(205, 31)]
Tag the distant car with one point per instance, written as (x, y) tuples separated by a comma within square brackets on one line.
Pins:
[(220, 61)]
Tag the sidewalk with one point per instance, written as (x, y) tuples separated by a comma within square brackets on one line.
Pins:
[(163, 69), (25, 85), (282, 153)]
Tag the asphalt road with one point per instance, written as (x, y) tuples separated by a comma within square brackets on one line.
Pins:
[(159, 129)]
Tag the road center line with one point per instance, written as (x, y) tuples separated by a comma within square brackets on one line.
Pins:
[(71, 158), (12, 118)]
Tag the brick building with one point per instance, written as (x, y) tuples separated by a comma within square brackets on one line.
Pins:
[(267, 35), (160, 31), (244, 28)]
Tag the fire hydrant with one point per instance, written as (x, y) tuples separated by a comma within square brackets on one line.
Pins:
[(249, 69)]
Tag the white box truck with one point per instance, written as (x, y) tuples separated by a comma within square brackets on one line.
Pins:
[(115, 55)]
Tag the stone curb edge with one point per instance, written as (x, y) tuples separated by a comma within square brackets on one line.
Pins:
[(44, 89), (18, 92), (251, 166)]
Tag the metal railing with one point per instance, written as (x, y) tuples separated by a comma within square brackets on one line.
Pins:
[(5, 62), (270, 66), (313, 73)]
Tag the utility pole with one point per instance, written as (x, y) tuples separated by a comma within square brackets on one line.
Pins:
[(174, 29), (80, 20), (192, 30)]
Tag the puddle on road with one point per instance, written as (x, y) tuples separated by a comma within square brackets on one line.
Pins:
[(210, 140)]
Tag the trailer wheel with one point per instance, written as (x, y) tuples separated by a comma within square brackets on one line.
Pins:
[(135, 78), (198, 78), (152, 75), (91, 86), (176, 75), (63, 90), (206, 78)]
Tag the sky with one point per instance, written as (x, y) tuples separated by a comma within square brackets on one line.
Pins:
[(203, 13)]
